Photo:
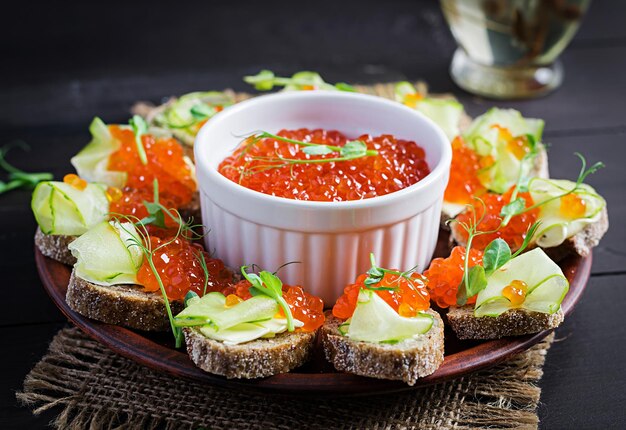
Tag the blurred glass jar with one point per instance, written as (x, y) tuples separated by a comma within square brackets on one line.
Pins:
[(509, 48)]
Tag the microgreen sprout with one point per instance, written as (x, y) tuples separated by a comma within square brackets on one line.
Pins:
[(18, 178), (514, 207), (158, 214), (376, 274), (268, 284), (496, 254), (145, 245), (266, 80), (140, 127), (350, 151)]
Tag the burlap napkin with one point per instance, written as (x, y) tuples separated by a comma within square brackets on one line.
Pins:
[(93, 388)]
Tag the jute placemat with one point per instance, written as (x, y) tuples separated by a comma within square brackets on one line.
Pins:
[(93, 388)]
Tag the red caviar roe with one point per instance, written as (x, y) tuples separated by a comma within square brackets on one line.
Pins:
[(75, 181), (445, 274), (399, 164), (464, 181), (179, 268), (304, 307), (513, 233), (408, 299), (166, 163), (130, 202)]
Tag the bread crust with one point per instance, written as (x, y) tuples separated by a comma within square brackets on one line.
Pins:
[(125, 305), (55, 246), (256, 359), (405, 361), (515, 322)]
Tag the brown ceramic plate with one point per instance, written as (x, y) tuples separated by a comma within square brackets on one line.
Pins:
[(318, 376)]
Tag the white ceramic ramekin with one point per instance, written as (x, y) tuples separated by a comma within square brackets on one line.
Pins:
[(332, 240)]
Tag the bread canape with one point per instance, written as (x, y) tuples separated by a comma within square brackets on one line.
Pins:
[(383, 327), (116, 172), (497, 292), (114, 279), (184, 116), (572, 216), (490, 155), (257, 328)]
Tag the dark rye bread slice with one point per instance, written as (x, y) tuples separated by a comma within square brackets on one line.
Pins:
[(406, 361), (125, 305), (55, 246), (515, 322), (255, 359), (579, 244)]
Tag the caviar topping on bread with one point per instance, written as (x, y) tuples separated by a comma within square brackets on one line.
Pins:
[(497, 292), (491, 154), (259, 328), (382, 327), (144, 264), (118, 170), (572, 215)]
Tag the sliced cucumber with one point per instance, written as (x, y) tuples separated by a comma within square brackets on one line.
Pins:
[(91, 163), (62, 209), (246, 332), (374, 320), (103, 257), (211, 309), (509, 118), (555, 227), (445, 113), (548, 295), (485, 140), (547, 285)]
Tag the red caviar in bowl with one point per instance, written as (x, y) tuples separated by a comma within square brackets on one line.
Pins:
[(407, 299), (304, 307), (513, 233), (445, 274), (398, 165), (179, 268), (166, 163)]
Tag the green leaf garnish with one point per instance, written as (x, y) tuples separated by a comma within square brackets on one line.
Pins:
[(496, 255), (514, 207), (354, 149), (18, 178), (268, 284), (140, 127), (376, 274), (157, 215)]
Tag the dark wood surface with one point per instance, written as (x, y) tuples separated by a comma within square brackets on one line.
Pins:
[(64, 64)]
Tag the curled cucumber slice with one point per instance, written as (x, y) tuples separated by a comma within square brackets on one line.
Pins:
[(91, 163), (61, 209), (106, 254), (547, 285), (374, 320), (555, 226)]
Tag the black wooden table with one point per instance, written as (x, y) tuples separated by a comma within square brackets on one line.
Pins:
[(62, 66)]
